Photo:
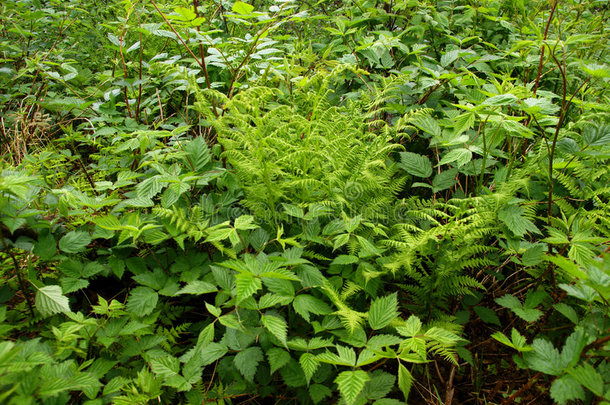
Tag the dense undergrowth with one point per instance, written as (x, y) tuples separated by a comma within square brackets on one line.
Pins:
[(399, 201)]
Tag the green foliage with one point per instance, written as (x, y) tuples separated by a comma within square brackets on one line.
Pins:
[(312, 202)]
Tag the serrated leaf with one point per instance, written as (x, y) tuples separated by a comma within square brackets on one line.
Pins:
[(444, 180), (70, 284), (426, 123), (197, 287), (46, 247), (309, 364), (544, 358), (212, 352), (460, 156), (341, 240), (463, 123), (318, 392), (487, 315), (380, 385), (501, 100), (416, 165), (245, 222), (166, 366), (277, 326), (412, 327), (247, 361), (109, 222), (142, 301), (383, 311), (50, 300), (512, 216), (344, 259), (246, 286), (405, 380), (304, 304), (74, 242), (449, 57), (148, 188), (278, 358), (589, 377), (197, 154), (566, 388), (350, 384), (293, 375)]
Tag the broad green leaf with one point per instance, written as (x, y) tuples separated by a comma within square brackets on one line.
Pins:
[(166, 366), (449, 57), (219, 234), (309, 364), (383, 311), (380, 385), (596, 135), (294, 210), (412, 327), (109, 222), (46, 247), (341, 240), (487, 315), (247, 361), (74, 242), (501, 100), (50, 300), (197, 287), (427, 123), (368, 248), (197, 153), (464, 122), (213, 310), (344, 259), (566, 388), (444, 180), (70, 284), (149, 188), (142, 301), (512, 216), (278, 358), (405, 380), (293, 375), (416, 165), (544, 358), (245, 222), (277, 326), (589, 377), (350, 384), (460, 156), (318, 392), (212, 352), (246, 285), (240, 7), (304, 304)]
